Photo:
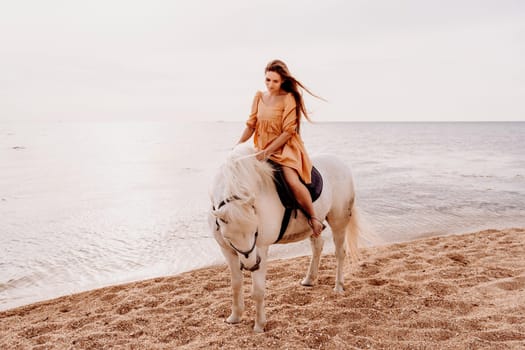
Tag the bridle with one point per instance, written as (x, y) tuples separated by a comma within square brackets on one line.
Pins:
[(247, 253)]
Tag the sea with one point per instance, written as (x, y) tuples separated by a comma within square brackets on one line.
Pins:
[(85, 205)]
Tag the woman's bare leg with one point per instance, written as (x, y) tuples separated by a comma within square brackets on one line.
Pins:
[(302, 195)]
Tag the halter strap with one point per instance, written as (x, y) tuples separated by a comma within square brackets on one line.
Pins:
[(226, 201), (246, 253), (223, 203)]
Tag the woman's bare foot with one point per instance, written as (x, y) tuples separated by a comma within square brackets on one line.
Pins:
[(316, 225)]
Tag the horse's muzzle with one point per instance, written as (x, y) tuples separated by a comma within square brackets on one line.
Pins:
[(254, 267)]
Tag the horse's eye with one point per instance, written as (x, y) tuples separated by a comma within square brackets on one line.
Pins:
[(223, 221)]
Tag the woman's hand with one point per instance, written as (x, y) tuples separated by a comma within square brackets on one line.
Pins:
[(261, 155)]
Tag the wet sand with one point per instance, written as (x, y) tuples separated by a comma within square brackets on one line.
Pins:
[(451, 292)]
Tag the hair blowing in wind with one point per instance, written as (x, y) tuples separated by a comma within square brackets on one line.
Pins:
[(292, 85)]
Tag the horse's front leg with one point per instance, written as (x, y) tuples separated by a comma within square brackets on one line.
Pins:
[(316, 244), (258, 291), (236, 283)]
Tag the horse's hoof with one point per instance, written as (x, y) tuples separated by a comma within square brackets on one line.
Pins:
[(307, 283), (339, 289), (258, 329), (233, 319)]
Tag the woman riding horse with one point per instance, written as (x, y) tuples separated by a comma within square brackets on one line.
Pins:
[(275, 121)]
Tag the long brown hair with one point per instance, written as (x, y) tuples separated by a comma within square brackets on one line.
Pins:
[(292, 85)]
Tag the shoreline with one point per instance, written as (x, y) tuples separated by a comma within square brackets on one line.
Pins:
[(278, 252), (453, 291)]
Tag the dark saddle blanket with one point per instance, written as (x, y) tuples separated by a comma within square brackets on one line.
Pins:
[(285, 193)]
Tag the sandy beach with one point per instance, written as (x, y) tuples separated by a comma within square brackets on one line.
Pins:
[(450, 292)]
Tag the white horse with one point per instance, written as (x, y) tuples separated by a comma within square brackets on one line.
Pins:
[(246, 219)]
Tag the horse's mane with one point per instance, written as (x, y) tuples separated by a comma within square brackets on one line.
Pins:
[(243, 174)]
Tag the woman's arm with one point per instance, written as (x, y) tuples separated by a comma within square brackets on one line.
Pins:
[(246, 134), (274, 146)]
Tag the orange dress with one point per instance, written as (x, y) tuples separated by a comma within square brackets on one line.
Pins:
[(271, 121)]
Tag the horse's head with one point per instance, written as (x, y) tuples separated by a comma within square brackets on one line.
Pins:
[(236, 219), (239, 181)]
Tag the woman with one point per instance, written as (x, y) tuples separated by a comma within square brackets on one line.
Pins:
[(275, 121)]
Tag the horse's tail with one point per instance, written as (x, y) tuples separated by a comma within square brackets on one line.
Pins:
[(359, 229), (353, 231)]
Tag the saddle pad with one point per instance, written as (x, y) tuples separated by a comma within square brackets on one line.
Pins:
[(285, 193)]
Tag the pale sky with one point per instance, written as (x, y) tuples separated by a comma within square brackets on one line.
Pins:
[(384, 60)]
